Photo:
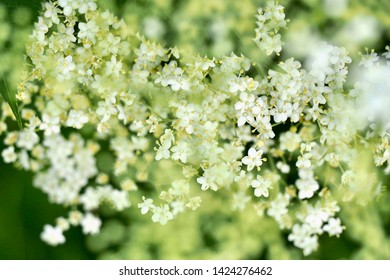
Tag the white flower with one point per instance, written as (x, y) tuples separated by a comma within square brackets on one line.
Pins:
[(261, 186), (173, 76), (306, 184), (51, 12), (9, 154), (315, 219), (253, 158), (278, 207), (90, 199), (90, 224), (87, 5), (178, 83), (50, 124), (180, 152), (65, 66), (205, 64), (162, 214), (41, 28), (62, 223), (77, 119), (303, 238), (24, 160), (88, 30), (246, 108), (272, 44), (67, 6), (146, 205), (369, 59), (52, 235), (178, 206), (215, 176), (304, 161), (194, 203), (119, 199), (105, 110), (113, 67), (27, 139), (179, 188), (269, 21), (283, 167), (290, 141), (348, 177), (163, 151), (207, 181), (75, 217), (333, 227)]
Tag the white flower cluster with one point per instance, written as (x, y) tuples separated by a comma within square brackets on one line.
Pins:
[(315, 221), (106, 110), (269, 21)]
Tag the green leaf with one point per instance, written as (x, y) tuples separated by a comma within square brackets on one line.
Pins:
[(10, 98)]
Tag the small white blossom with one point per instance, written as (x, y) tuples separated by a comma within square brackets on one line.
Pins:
[(253, 158), (90, 224), (9, 154), (278, 207), (52, 235), (119, 199), (283, 167), (269, 21), (65, 66), (146, 205), (90, 199), (87, 5), (67, 6), (333, 227), (50, 125), (77, 119), (306, 184), (51, 12), (180, 152), (162, 214), (88, 30), (261, 186), (27, 139), (113, 67), (303, 238)]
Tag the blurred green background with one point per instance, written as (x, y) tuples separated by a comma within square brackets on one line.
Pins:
[(24, 209)]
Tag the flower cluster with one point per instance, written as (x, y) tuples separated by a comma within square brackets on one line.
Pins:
[(269, 21), (107, 112)]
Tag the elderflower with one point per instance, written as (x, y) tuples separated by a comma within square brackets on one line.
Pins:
[(261, 186), (333, 227), (77, 119), (27, 139), (9, 154), (50, 125), (162, 214), (146, 205), (52, 235), (90, 224), (65, 66), (253, 158), (269, 21)]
